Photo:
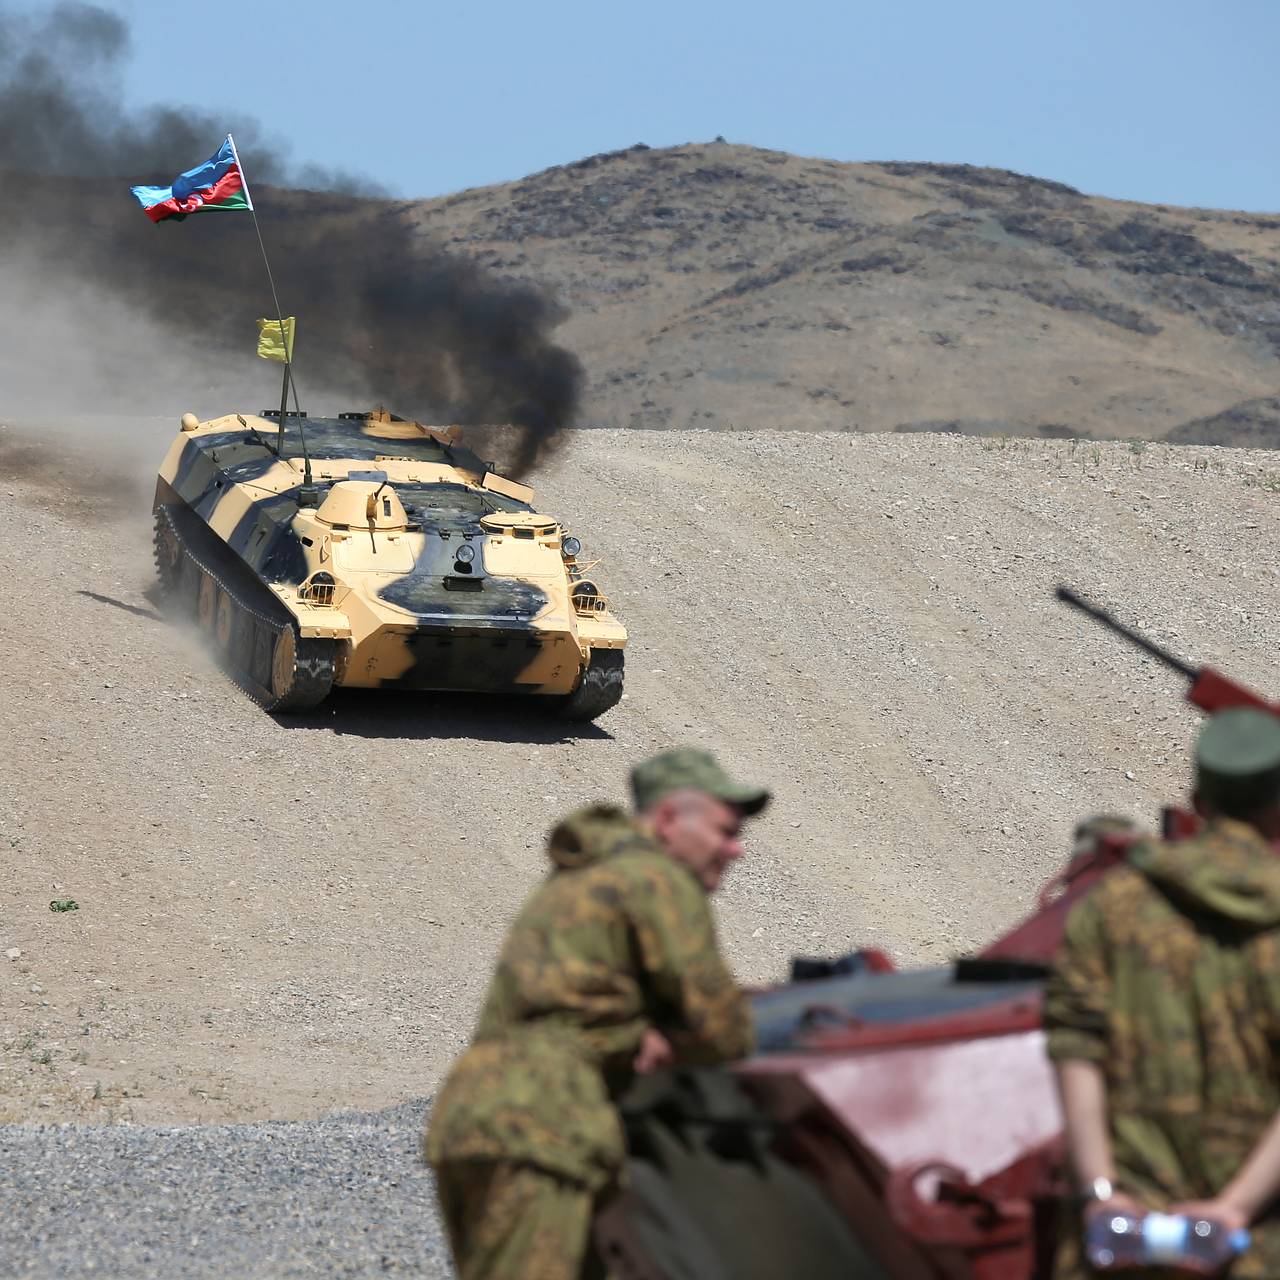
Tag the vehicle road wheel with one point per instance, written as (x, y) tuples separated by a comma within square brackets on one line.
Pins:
[(302, 671), (168, 556), (207, 603), (600, 688), (224, 622)]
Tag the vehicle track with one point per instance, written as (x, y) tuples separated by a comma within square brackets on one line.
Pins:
[(258, 646)]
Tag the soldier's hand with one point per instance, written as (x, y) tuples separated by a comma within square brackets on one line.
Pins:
[(1120, 1202), (655, 1052), (1220, 1211)]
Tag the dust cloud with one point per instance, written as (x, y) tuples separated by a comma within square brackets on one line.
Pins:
[(106, 316)]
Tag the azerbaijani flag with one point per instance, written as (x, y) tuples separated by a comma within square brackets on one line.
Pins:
[(217, 184)]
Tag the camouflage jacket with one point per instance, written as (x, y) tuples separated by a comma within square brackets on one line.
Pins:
[(1169, 978), (617, 939)]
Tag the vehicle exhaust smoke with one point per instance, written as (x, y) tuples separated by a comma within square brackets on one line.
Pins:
[(133, 317)]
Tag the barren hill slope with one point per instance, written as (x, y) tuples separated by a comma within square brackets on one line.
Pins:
[(281, 917), (705, 286), (726, 286)]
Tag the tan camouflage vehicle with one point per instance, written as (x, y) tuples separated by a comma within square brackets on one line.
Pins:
[(383, 555)]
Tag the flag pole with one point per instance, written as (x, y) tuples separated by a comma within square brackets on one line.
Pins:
[(284, 337)]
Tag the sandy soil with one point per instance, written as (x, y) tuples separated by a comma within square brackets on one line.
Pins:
[(281, 918)]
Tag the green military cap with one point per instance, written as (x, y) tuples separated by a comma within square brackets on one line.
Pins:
[(1238, 760), (688, 768)]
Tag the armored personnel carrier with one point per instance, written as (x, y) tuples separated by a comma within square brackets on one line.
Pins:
[(384, 554)]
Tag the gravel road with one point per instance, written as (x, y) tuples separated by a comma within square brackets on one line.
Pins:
[(280, 919), (343, 1196)]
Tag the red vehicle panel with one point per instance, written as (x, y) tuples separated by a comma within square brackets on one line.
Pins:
[(919, 1104)]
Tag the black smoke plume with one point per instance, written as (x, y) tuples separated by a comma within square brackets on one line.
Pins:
[(384, 315)]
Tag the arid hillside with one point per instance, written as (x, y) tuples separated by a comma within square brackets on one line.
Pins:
[(726, 286), (704, 286)]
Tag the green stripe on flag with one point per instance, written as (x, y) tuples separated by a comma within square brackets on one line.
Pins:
[(236, 201)]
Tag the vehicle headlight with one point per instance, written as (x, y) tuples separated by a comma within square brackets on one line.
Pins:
[(570, 547), (466, 553)]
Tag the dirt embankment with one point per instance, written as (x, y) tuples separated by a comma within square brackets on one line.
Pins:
[(281, 918)]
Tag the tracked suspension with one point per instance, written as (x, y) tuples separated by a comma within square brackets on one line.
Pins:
[(256, 642), (599, 689)]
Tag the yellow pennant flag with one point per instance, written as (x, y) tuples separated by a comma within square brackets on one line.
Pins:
[(271, 346)]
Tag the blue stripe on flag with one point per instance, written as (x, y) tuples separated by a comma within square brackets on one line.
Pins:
[(204, 175), (148, 196)]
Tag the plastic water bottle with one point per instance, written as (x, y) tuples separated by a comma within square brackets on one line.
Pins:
[(1121, 1241)]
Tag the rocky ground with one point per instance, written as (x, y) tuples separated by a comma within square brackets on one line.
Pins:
[(340, 1197), (293, 919)]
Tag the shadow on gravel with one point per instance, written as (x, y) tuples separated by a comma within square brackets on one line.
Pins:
[(405, 714), (149, 614), (436, 716)]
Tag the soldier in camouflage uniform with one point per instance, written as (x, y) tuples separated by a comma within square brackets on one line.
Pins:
[(1163, 1011), (612, 966)]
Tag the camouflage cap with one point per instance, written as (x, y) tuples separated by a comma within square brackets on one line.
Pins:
[(689, 768), (1238, 760)]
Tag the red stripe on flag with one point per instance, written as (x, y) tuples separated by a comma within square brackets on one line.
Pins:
[(225, 187)]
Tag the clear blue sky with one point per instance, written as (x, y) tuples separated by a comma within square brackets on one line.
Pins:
[(1169, 101)]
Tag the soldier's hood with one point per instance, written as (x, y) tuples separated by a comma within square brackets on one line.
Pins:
[(596, 832), (1229, 872)]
